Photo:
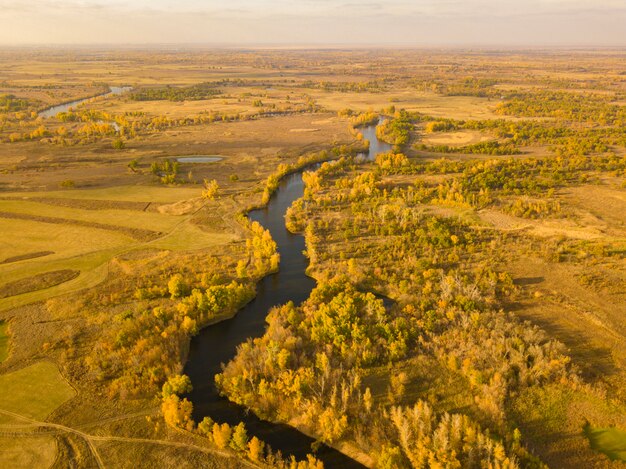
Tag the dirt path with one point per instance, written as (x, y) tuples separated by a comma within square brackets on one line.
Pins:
[(90, 439)]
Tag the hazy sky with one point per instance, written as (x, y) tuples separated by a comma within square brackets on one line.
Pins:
[(298, 22)]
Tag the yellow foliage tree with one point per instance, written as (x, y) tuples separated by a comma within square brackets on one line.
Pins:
[(211, 189), (177, 412), (255, 449), (222, 434)]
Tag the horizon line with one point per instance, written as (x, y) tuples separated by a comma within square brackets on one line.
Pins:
[(316, 46)]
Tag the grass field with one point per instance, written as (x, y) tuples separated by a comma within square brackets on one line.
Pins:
[(610, 441), (4, 340), (452, 139), (74, 244), (456, 107), (126, 218), (21, 237), (155, 194), (34, 391), (28, 452)]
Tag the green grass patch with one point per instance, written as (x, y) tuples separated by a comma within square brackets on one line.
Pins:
[(34, 391), (154, 194), (72, 245), (610, 441), (93, 267), (188, 237), (4, 340), (543, 409), (25, 236), (127, 218)]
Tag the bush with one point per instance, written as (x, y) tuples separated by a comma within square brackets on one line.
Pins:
[(118, 144)]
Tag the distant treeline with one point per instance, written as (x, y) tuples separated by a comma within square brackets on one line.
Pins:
[(11, 103), (169, 93)]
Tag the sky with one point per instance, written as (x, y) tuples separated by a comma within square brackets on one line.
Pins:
[(418, 23)]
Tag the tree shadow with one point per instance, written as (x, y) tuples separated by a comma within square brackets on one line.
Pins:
[(523, 281)]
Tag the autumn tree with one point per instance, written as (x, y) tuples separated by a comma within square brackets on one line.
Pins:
[(239, 440), (255, 449), (177, 412), (176, 286), (222, 434), (211, 189), (176, 384)]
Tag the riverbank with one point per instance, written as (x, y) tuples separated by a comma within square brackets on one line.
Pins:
[(217, 345)]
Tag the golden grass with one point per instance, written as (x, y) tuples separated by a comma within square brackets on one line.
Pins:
[(34, 391), (189, 237), (128, 218), (67, 241), (37, 282), (27, 452), (4, 340), (132, 193), (88, 278), (455, 107), (176, 110), (455, 139), (554, 417), (89, 249)]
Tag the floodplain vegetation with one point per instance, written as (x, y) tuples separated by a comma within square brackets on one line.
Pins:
[(470, 304)]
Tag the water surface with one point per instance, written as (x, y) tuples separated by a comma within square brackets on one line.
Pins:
[(199, 159)]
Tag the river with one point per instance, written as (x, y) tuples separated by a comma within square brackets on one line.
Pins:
[(217, 344), (54, 110)]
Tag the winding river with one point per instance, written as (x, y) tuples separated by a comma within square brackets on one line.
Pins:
[(54, 110), (217, 344)]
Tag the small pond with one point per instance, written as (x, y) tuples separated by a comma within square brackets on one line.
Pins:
[(199, 159)]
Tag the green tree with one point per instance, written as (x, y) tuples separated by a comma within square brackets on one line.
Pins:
[(206, 426), (239, 440), (176, 384), (176, 286)]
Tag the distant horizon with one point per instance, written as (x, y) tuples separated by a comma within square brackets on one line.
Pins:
[(315, 23), (318, 46)]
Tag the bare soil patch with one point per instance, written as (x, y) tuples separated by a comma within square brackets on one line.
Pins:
[(87, 204), (37, 282), (24, 257)]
